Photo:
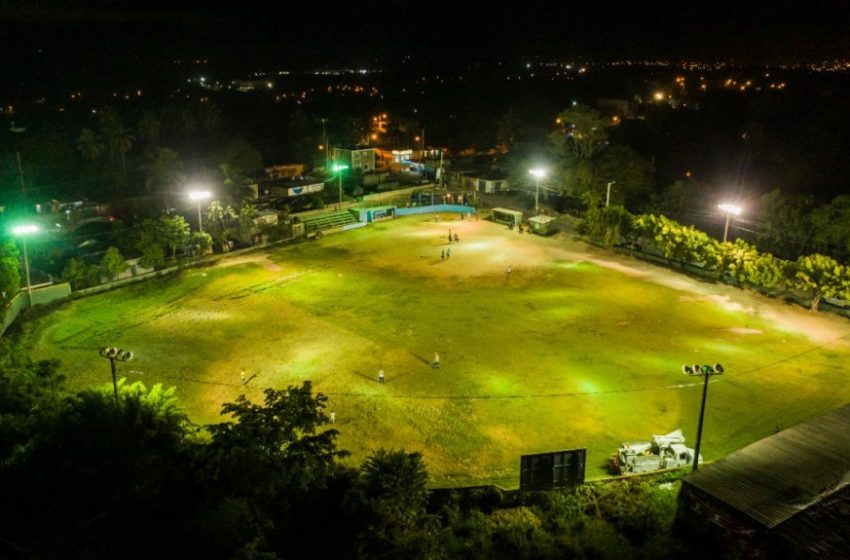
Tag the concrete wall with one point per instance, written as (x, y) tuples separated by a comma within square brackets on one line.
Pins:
[(456, 208), (40, 296)]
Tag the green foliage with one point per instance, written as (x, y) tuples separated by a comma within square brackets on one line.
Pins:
[(272, 445), (201, 243), (150, 129), (173, 232), (89, 144), (632, 174), (113, 264), (831, 225), (80, 274), (29, 390), (744, 264), (516, 533), (788, 227), (823, 277), (10, 273), (247, 213), (391, 501), (163, 170), (242, 160), (679, 198), (675, 241), (221, 222), (88, 460), (611, 224), (584, 132), (149, 244)]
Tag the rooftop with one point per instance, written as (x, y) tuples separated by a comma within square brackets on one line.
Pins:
[(777, 477)]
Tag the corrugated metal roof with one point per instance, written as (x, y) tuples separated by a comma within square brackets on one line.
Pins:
[(822, 531), (779, 476)]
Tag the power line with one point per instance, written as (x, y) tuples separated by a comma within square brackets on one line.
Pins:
[(527, 395)]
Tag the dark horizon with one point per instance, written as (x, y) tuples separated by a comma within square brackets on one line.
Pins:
[(252, 33)]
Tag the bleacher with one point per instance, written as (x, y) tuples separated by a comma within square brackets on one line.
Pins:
[(328, 221)]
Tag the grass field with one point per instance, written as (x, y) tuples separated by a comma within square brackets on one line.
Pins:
[(574, 348)]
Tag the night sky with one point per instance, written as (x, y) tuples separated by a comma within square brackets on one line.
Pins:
[(73, 33)]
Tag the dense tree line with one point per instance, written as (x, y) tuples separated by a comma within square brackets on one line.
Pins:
[(84, 476), (818, 276)]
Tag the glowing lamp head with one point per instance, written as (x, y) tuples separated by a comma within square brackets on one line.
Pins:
[(730, 209), (538, 172), (24, 229), (339, 167), (659, 96), (199, 195)]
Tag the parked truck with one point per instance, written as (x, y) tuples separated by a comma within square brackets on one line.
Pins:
[(663, 452)]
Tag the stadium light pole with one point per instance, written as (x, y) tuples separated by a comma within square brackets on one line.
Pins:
[(339, 168), (23, 231), (705, 371), (538, 173), (729, 210), (200, 196), (112, 353)]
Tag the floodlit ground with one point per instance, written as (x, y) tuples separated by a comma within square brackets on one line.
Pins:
[(574, 348)]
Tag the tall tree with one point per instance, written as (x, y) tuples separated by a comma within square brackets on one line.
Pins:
[(278, 444), (123, 143), (10, 272), (583, 133), (822, 277), (392, 497), (221, 220), (632, 175), (174, 232), (110, 130), (150, 129), (113, 264), (164, 170), (209, 116), (90, 145), (787, 220)]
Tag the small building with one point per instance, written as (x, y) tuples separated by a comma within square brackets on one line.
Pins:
[(489, 182), (290, 188), (785, 496), (284, 171), (507, 216), (358, 158), (542, 225)]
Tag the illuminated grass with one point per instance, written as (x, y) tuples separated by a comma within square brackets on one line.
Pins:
[(561, 353)]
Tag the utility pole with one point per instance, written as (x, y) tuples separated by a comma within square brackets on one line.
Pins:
[(21, 176), (608, 194), (325, 144)]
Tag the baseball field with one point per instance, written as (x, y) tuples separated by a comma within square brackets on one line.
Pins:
[(574, 347)]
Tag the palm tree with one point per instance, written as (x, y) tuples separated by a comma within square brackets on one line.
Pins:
[(110, 124), (89, 145), (188, 122), (123, 142), (149, 129), (210, 116), (163, 169)]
